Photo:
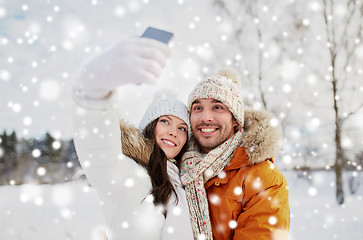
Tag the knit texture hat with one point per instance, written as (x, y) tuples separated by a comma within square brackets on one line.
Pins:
[(164, 106), (225, 87)]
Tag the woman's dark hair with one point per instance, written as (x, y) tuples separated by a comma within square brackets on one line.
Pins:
[(157, 169)]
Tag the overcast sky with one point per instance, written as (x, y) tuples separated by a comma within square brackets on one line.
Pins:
[(44, 43)]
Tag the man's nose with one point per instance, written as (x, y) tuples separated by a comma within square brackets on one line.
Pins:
[(207, 115)]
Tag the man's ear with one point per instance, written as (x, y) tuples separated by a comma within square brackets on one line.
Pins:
[(235, 124)]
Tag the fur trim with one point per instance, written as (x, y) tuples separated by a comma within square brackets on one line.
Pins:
[(262, 137), (135, 145)]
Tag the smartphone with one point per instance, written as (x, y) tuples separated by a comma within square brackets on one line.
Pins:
[(157, 34)]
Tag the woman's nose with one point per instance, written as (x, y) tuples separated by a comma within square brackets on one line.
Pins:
[(172, 132)]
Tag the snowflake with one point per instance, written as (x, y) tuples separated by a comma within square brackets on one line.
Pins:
[(274, 122), (41, 171), (49, 89), (2, 12), (287, 159), (306, 22), (86, 189), (24, 197), (214, 199), (177, 211), (232, 224), (56, 145), (272, 220), (170, 230), (315, 122), (62, 196), (287, 88), (315, 6), (39, 201), (257, 183), (36, 153), (5, 75), (208, 173), (202, 237), (129, 182), (312, 191), (66, 213), (120, 11), (222, 174), (125, 225), (237, 190)]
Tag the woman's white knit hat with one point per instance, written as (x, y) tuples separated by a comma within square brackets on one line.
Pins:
[(164, 106), (225, 87)]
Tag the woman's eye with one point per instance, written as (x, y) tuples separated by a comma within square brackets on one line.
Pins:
[(164, 121), (183, 129), (197, 108)]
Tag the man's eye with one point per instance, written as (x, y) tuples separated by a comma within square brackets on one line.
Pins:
[(197, 108), (218, 107)]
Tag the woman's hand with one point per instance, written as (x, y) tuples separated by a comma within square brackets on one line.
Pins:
[(135, 60)]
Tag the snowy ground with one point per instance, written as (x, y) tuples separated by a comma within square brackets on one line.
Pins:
[(71, 211)]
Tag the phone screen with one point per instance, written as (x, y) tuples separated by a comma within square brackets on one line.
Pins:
[(157, 34)]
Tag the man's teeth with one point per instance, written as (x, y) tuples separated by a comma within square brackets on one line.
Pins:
[(207, 130), (170, 143)]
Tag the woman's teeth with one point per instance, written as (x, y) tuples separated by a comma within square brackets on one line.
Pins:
[(169, 143)]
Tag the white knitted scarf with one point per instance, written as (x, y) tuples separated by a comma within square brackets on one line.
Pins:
[(197, 169)]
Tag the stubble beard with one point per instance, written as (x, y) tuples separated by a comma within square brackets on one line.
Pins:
[(208, 143)]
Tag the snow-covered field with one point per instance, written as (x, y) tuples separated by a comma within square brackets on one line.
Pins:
[(72, 211)]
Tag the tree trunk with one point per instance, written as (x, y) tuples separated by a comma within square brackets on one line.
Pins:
[(262, 95), (339, 154), (339, 175)]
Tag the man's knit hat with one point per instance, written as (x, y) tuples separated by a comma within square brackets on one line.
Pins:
[(164, 106), (225, 87)]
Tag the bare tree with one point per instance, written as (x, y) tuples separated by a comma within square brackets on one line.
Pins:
[(341, 46)]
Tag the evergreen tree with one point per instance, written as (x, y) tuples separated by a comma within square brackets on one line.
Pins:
[(51, 150), (8, 160), (71, 154), (3, 140)]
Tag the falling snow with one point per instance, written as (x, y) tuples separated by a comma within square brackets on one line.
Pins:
[(43, 45)]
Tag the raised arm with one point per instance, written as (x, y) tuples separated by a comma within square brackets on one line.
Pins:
[(121, 184), (97, 130)]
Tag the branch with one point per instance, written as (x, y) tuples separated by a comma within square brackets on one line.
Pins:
[(350, 114), (351, 6)]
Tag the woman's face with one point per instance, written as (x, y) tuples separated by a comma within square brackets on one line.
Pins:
[(171, 135)]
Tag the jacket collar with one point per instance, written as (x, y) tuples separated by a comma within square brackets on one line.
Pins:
[(134, 144), (240, 159), (262, 137)]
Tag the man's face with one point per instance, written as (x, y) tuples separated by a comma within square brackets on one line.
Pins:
[(212, 123)]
